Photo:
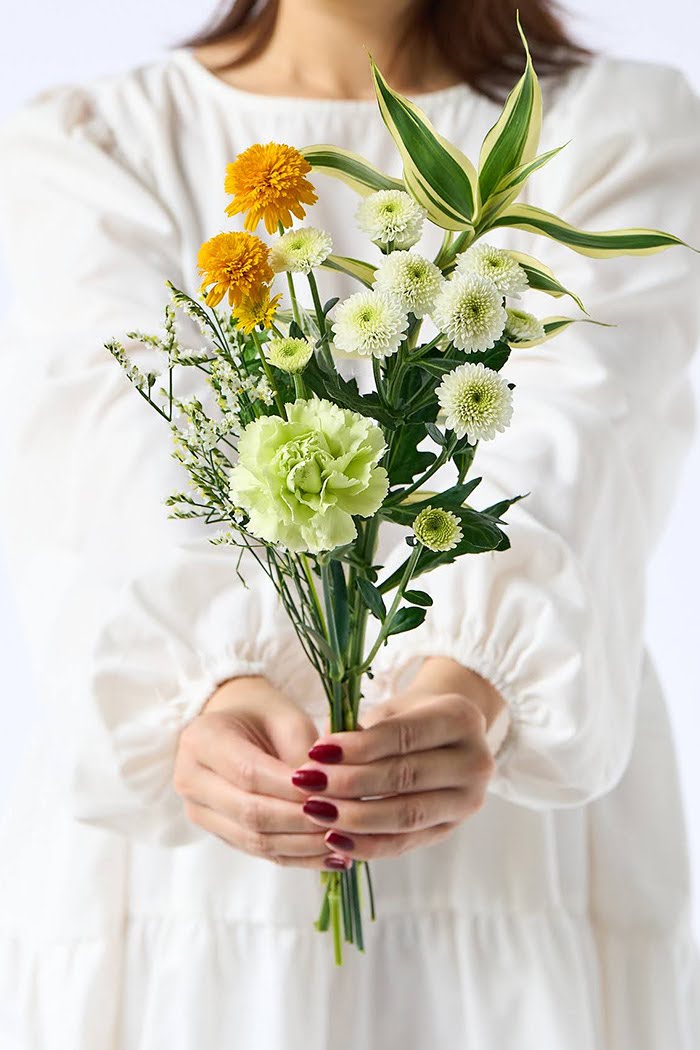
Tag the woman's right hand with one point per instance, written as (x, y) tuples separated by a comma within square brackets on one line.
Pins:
[(233, 767)]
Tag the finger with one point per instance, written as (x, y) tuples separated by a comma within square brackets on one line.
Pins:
[(261, 813), (371, 847), (396, 813), (436, 723), (225, 751), (303, 850), (402, 774)]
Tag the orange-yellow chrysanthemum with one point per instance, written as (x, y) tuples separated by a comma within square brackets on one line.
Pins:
[(236, 263), (256, 309), (267, 182)]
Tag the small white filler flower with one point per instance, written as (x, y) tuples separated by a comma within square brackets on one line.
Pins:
[(391, 217), (496, 264), (288, 354), (299, 251), (523, 327), (469, 310), (411, 280), (476, 401), (369, 324), (437, 529)]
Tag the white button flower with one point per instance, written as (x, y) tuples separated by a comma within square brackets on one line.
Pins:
[(496, 264), (411, 280), (469, 310), (369, 324), (476, 402), (523, 327), (299, 251), (391, 217)]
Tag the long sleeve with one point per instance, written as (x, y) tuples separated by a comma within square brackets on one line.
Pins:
[(602, 420), (131, 618)]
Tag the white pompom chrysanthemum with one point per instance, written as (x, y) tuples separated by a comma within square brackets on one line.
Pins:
[(391, 217), (496, 264), (411, 280), (523, 327), (476, 401), (370, 324), (469, 310), (298, 251)]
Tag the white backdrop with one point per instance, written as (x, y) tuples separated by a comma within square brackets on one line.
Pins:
[(44, 43)]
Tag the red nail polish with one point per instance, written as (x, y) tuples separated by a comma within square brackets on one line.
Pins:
[(336, 863), (316, 807), (326, 753), (310, 779), (338, 841)]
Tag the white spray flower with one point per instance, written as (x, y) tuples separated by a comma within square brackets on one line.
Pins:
[(391, 217), (496, 264), (476, 401), (369, 324), (523, 327), (411, 280), (469, 310), (298, 251)]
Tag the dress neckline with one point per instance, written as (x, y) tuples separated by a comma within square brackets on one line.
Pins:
[(185, 57)]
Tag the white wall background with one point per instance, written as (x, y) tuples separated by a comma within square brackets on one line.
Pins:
[(43, 43)]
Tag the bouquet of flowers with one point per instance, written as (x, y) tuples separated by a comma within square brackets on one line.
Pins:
[(302, 468)]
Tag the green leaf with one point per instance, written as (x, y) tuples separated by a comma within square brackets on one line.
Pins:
[(405, 461), (436, 173), (496, 510), (495, 358), (372, 598), (480, 533), (513, 139), (452, 499), (345, 392), (510, 186), (436, 434), (418, 598), (339, 602), (541, 279), (600, 244), (361, 271), (350, 168), (405, 620)]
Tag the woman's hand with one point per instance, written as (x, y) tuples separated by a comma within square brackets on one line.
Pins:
[(233, 767), (427, 753)]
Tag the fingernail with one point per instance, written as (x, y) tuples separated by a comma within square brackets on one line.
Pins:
[(336, 863), (316, 807), (312, 779), (338, 841), (326, 753)]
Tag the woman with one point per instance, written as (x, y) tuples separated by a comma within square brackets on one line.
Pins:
[(153, 891)]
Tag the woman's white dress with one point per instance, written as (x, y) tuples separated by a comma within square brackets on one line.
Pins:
[(558, 917)]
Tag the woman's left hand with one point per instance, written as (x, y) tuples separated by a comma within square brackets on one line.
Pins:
[(418, 768)]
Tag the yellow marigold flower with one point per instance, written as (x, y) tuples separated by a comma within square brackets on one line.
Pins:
[(236, 263), (267, 182), (256, 309)]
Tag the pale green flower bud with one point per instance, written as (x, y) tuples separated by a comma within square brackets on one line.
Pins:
[(437, 529)]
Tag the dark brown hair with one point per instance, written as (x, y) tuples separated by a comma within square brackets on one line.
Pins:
[(478, 39)]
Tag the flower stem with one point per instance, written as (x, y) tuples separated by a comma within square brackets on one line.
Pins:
[(405, 580), (268, 373), (321, 320)]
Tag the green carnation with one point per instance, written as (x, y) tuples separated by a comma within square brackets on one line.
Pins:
[(301, 480)]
